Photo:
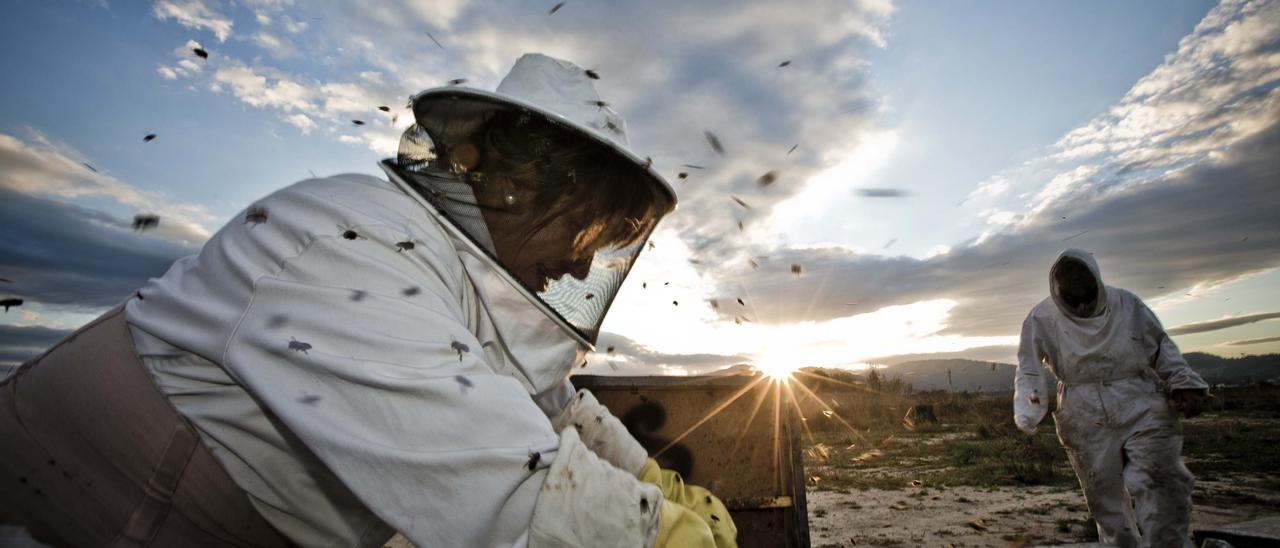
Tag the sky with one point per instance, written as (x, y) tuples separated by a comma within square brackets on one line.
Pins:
[(932, 157)]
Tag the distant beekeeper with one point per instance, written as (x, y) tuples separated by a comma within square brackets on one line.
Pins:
[(1120, 382), (352, 357)]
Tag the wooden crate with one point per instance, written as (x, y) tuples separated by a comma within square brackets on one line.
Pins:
[(735, 435)]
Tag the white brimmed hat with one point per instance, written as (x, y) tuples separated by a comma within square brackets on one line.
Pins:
[(554, 89)]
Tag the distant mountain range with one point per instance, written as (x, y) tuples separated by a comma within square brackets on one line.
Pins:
[(976, 376)]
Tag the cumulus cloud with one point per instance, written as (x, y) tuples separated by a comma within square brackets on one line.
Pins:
[(194, 14), (1223, 323)]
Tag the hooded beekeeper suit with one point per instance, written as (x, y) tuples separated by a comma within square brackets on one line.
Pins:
[(362, 356), (1116, 370)]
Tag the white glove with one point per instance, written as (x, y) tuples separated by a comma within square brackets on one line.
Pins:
[(601, 432), (1025, 423), (586, 502)]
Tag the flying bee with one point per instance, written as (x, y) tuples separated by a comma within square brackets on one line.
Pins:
[(592, 74), (457, 81), (384, 108), (144, 221), (463, 383), (358, 122), (714, 142), (13, 301), (256, 215), (598, 103), (553, 11), (795, 269), (682, 175), (609, 349), (786, 63), (410, 291), (793, 149), (741, 302), (768, 178), (740, 202), (148, 137), (200, 52), (693, 166)]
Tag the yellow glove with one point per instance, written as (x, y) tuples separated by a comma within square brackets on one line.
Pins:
[(679, 527), (696, 500)]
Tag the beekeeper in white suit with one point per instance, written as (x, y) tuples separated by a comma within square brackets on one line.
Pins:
[(365, 356), (1120, 380)]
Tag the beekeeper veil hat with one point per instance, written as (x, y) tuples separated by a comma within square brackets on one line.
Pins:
[(538, 175)]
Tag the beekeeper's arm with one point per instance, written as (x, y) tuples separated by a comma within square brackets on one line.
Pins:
[(363, 354), (691, 515), (1187, 389), (1166, 359), (1031, 381)]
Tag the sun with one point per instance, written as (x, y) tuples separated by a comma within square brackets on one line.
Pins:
[(778, 370)]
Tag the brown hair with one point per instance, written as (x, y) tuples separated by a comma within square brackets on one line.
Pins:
[(569, 174)]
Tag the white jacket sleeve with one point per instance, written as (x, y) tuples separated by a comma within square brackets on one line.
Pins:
[(1166, 359), (1030, 382)]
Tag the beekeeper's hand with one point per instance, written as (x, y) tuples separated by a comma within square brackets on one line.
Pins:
[(1025, 423), (1189, 401), (601, 432), (697, 500)]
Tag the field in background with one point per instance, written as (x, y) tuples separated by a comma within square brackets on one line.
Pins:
[(972, 479)]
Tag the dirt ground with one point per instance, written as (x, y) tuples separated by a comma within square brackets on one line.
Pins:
[(998, 516)]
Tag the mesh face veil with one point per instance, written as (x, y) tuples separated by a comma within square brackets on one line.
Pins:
[(564, 214)]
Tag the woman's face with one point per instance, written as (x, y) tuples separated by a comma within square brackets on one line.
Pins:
[(536, 249)]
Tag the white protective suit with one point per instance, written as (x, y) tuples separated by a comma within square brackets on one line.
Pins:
[(1114, 368), (354, 388)]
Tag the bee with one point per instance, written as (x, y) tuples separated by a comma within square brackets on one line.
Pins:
[(410, 291), (714, 142), (599, 104), (384, 108), (349, 233), (256, 215), (675, 303), (592, 74), (883, 192), (555, 8), (740, 202), (309, 399), (406, 245), (12, 301), (298, 346), (609, 349), (793, 149), (741, 302), (786, 63), (795, 269), (693, 166), (144, 221), (682, 175), (890, 243), (463, 382), (457, 81), (768, 178), (590, 296), (433, 39), (460, 347), (200, 52), (644, 505), (148, 137), (534, 458), (359, 295), (358, 122), (91, 168)]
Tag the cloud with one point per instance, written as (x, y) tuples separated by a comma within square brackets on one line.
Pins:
[(41, 167), (637, 357), (1186, 229), (1224, 323), (21, 343), (76, 257), (193, 14), (1251, 341)]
